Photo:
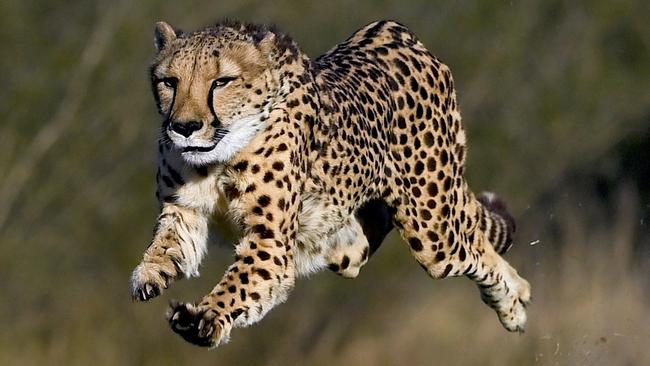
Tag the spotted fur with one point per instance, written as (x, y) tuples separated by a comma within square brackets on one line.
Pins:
[(315, 161)]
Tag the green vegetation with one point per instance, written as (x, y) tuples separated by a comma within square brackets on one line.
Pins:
[(555, 100)]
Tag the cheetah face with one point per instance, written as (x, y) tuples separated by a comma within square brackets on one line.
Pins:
[(214, 89)]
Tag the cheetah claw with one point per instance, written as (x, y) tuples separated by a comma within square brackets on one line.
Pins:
[(149, 281), (196, 324)]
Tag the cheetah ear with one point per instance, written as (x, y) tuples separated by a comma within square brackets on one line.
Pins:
[(267, 44), (164, 35)]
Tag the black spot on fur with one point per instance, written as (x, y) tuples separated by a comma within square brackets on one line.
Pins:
[(415, 244), (264, 200), (241, 166), (263, 273)]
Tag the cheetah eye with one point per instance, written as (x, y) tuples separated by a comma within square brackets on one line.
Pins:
[(221, 82), (169, 82)]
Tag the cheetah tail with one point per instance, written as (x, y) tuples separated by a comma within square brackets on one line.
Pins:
[(499, 224)]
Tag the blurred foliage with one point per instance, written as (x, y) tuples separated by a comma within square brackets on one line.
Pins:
[(549, 90)]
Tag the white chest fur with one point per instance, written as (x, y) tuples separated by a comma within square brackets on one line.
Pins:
[(204, 194)]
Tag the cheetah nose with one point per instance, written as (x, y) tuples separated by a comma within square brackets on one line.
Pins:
[(186, 128)]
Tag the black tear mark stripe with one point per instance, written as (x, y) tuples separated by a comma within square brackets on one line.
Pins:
[(168, 182), (176, 176)]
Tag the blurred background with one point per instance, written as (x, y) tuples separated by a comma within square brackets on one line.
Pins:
[(555, 97)]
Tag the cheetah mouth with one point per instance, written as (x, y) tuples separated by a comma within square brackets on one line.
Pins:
[(218, 136), (190, 149)]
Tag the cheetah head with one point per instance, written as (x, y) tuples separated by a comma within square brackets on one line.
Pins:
[(214, 88)]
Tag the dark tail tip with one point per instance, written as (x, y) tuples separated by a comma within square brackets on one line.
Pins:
[(497, 206)]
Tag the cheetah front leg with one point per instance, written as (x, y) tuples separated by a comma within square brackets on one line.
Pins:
[(259, 280), (179, 243), (264, 272)]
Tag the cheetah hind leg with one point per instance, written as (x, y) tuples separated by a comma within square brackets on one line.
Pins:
[(500, 285), (502, 289), (349, 250), (445, 253), (356, 242)]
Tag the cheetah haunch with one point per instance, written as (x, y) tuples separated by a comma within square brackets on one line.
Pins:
[(315, 162)]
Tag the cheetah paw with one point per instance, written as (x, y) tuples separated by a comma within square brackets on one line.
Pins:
[(149, 279), (512, 308), (199, 325)]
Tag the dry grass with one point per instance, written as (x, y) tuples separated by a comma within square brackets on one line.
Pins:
[(590, 308)]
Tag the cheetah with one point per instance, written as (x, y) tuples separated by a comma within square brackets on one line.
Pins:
[(314, 162)]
